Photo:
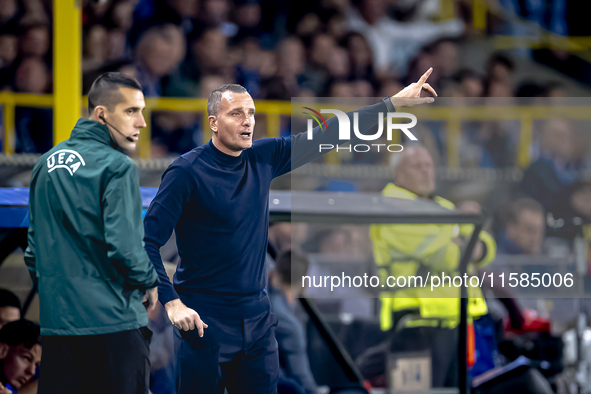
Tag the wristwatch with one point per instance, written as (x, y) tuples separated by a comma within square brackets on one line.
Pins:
[(389, 104)]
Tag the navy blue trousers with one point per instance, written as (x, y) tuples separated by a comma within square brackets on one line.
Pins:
[(239, 355)]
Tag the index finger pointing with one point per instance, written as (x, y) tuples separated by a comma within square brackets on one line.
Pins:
[(424, 77)]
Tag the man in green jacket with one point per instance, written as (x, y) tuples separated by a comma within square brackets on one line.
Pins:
[(86, 254)]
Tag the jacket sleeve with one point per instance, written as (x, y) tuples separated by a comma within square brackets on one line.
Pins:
[(288, 153), (123, 227), (490, 246), (30, 251), (165, 210)]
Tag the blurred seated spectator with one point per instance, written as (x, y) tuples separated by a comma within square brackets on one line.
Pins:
[(471, 83), (10, 307), (159, 52), (20, 353), (33, 125), (395, 43), (35, 41), (546, 178), (94, 48), (149, 13), (175, 133), (8, 54), (248, 15), (291, 338), (566, 219), (285, 236), (9, 9), (523, 227), (360, 55), (500, 69), (317, 73), (291, 58)]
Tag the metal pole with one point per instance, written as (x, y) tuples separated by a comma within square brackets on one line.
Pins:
[(67, 72), (463, 335)]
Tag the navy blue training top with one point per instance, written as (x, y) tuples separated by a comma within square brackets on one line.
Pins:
[(219, 206)]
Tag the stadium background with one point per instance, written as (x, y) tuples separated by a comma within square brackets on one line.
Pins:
[(528, 54)]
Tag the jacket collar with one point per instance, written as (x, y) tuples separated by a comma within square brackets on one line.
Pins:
[(87, 129), (391, 190)]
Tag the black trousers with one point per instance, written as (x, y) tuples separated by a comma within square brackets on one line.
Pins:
[(109, 363)]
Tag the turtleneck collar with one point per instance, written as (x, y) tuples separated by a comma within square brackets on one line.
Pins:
[(223, 158)]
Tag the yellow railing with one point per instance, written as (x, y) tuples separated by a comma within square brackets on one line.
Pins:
[(272, 109), (275, 109)]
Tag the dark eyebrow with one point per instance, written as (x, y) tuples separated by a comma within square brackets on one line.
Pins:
[(135, 109), (240, 109)]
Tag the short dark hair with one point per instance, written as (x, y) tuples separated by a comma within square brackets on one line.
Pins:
[(8, 298), (502, 59), (105, 90), (519, 205), (291, 262), (21, 332), (213, 103)]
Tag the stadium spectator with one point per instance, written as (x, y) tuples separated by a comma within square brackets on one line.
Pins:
[(361, 56), (546, 178), (395, 43), (291, 64), (35, 41), (500, 69), (10, 307), (566, 219), (248, 15), (20, 354), (471, 83), (159, 52), (8, 49), (94, 48), (8, 54), (403, 250), (523, 227), (8, 12), (33, 125), (316, 74)]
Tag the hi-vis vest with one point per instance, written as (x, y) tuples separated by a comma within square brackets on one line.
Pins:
[(413, 249)]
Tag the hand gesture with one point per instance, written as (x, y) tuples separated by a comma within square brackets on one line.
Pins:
[(184, 318), (4, 390), (411, 95)]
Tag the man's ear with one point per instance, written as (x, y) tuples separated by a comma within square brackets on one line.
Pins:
[(213, 123), (3, 350), (99, 112)]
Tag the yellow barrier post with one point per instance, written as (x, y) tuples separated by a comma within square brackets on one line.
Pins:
[(9, 130), (525, 140), (67, 72), (479, 14)]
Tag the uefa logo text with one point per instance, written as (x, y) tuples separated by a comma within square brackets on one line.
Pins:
[(345, 130)]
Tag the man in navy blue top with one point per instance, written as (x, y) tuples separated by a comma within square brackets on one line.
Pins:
[(216, 198)]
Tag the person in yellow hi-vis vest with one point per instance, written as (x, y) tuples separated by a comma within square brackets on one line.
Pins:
[(419, 318)]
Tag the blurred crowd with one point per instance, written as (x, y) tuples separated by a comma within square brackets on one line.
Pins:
[(277, 50)]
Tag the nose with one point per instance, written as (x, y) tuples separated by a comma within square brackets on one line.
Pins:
[(142, 121), (31, 369), (247, 120)]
